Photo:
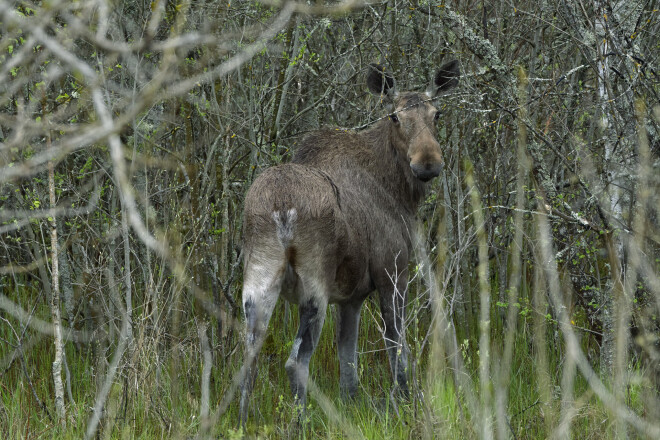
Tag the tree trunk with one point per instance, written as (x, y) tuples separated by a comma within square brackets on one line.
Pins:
[(55, 305)]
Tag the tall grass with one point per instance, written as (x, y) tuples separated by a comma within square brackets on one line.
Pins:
[(157, 394)]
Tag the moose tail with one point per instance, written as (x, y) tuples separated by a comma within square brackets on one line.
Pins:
[(285, 222)]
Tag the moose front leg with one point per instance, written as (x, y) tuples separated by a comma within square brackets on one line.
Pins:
[(392, 293), (348, 323)]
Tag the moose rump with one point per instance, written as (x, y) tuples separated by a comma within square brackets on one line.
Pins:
[(295, 240), (295, 235)]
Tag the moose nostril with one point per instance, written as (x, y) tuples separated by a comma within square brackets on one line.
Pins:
[(426, 171)]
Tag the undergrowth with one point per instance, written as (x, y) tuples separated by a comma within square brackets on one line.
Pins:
[(157, 393)]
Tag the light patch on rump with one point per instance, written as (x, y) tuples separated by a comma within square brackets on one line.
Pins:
[(285, 223)]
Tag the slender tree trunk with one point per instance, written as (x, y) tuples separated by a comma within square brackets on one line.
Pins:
[(131, 377), (55, 304), (614, 191), (524, 166), (485, 384), (65, 276), (295, 47), (541, 361), (454, 235), (207, 364), (462, 289), (280, 94)]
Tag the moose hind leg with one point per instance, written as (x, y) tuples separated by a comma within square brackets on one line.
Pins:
[(260, 295), (347, 337), (312, 316)]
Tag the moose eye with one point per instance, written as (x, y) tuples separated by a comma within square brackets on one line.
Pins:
[(437, 115), (394, 118)]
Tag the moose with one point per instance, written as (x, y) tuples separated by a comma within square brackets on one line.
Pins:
[(335, 224)]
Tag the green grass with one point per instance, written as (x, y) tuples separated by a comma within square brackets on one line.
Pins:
[(157, 393)]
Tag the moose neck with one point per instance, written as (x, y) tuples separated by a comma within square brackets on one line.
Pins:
[(392, 167)]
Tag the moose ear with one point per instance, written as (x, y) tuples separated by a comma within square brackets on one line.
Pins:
[(379, 81), (445, 78)]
